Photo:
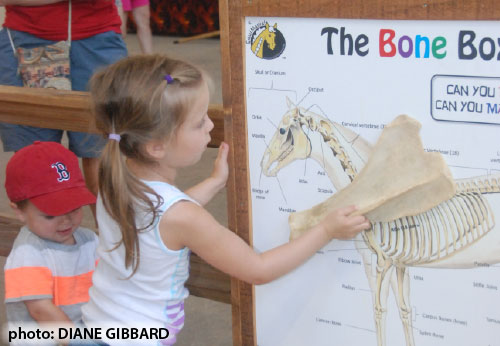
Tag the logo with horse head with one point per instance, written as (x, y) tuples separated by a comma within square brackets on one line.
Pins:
[(266, 41)]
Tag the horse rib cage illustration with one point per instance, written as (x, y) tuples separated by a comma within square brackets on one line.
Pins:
[(441, 231)]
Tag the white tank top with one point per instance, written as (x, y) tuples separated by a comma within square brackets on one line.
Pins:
[(154, 295)]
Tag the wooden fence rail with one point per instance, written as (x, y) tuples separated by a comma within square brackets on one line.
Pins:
[(70, 110)]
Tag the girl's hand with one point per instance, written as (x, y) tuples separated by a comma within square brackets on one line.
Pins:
[(340, 224), (221, 168)]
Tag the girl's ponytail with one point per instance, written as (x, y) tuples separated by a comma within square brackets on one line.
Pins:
[(114, 180)]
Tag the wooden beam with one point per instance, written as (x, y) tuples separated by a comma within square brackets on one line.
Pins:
[(207, 282), (198, 37), (69, 110)]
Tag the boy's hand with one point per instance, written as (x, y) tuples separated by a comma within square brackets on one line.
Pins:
[(221, 168), (44, 310), (340, 224)]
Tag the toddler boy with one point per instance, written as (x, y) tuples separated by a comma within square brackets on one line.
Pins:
[(49, 270)]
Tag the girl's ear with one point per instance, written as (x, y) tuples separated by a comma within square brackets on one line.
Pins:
[(156, 149), (19, 213)]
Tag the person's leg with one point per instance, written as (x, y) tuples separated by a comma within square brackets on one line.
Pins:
[(123, 27), (123, 11), (8, 61), (15, 137), (88, 147), (142, 20)]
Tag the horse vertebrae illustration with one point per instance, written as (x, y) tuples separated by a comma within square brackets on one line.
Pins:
[(458, 233)]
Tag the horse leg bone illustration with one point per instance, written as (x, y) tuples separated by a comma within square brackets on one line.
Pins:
[(384, 269), (403, 289), (433, 236)]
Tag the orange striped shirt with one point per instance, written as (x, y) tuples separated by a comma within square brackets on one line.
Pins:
[(41, 269)]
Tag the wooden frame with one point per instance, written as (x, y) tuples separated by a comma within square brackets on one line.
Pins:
[(232, 15), (70, 110)]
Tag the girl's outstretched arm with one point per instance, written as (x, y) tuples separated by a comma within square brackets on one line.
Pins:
[(206, 190), (186, 224)]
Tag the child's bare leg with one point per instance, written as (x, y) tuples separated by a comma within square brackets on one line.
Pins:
[(141, 17), (123, 17)]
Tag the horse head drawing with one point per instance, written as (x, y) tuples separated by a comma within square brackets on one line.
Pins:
[(288, 144), (268, 35)]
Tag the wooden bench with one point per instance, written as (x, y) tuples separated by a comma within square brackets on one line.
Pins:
[(70, 110)]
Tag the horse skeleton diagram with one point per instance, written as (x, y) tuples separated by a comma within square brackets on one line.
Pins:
[(432, 278), (443, 237)]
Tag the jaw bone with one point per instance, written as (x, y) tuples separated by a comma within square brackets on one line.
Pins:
[(399, 179)]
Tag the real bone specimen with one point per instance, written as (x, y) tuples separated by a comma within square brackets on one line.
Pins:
[(399, 179)]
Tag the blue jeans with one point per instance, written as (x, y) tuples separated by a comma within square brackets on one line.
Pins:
[(86, 55)]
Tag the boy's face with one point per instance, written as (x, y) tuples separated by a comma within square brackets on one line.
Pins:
[(58, 229)]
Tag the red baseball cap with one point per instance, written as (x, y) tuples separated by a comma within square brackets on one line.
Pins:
[(47, 174)]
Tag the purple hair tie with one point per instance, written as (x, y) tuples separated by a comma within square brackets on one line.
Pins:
[(114, 136), (169, 78)]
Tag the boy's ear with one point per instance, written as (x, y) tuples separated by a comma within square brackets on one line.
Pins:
[(156, 149), (19, 213)]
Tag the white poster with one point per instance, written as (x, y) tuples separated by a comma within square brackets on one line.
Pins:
[(318, 93)]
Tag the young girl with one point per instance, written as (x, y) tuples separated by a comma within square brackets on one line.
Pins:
[(154, 110)]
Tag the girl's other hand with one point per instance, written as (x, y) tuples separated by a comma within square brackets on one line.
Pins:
[(221, 168), (340, 224)]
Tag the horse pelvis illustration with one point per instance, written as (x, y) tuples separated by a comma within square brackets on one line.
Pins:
[(459, 232)]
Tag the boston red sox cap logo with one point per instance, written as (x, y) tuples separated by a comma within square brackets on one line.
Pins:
[(61, 170)]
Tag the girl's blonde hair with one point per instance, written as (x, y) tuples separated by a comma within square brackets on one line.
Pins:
[(140, 98)]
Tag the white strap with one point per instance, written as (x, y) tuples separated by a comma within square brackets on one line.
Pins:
[(69, 23), (11, 42)]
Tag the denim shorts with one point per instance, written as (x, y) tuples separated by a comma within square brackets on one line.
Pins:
[(87, 55)]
